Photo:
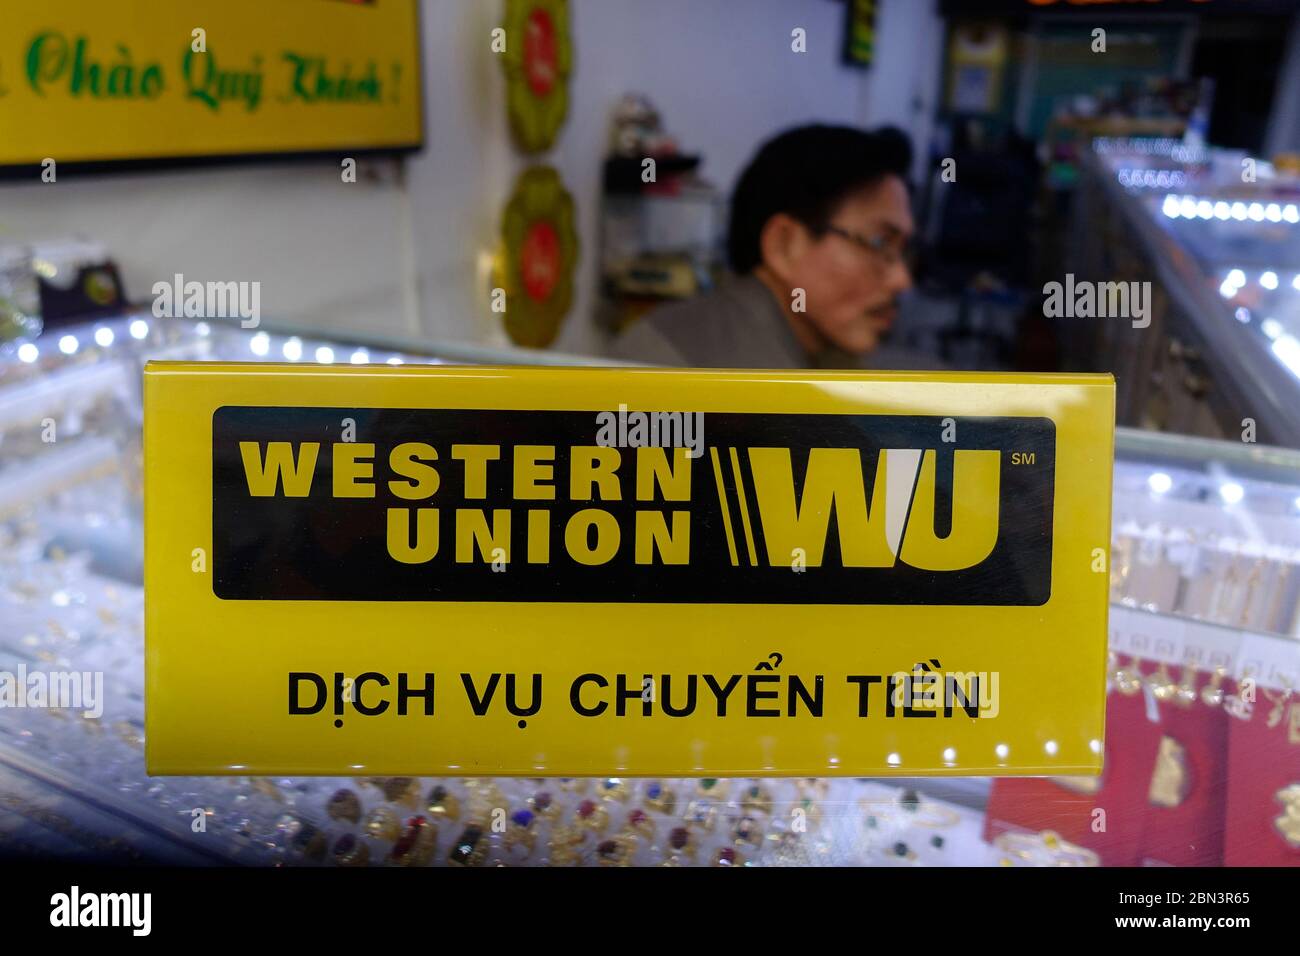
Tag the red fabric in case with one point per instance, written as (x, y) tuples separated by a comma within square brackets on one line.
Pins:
[(1261, 761), (1037, 804), (1192, 833)]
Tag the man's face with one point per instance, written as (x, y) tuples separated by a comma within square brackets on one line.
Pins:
[(852, 289)]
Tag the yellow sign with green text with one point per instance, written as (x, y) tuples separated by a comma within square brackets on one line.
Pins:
[(517, 571), (83, 81)]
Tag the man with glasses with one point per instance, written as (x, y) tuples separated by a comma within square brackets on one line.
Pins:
[(818, 243)]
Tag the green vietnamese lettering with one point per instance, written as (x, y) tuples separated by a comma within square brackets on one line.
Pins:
[(212, 85), (313, 82), (51, 59)]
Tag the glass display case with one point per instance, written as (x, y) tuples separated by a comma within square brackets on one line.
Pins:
[(1214, 236), (1203, 728)]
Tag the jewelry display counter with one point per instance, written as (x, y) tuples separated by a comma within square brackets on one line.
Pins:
[(1213, 237), (1203, 635)]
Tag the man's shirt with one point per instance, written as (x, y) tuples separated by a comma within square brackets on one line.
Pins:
[(740, 324)]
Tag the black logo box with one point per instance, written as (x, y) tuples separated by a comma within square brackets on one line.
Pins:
[(327, 549)]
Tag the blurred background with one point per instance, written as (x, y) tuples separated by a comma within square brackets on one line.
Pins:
[(466, 181)]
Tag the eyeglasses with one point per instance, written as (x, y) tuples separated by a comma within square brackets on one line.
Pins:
[(890, 251)]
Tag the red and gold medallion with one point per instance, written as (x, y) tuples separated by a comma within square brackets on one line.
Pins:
[(539, 249), (537, 60)]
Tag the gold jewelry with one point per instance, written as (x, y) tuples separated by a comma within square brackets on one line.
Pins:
[(565, 844), (484, 798), (442, 803), (812, 787), (383, 823), (417, 843), (660, 798), (344, 805), (747, 830), (1252, 582), (811, 813), (1161, 684), (1237, 705), (521, 830), (639, 822), (1045, 848), (127, 732), (1085, 785), (925, 813), (711, 787), (1288, 824), (1279, 705), (902, 851), (592, 815), (1185, 692), (617, 851), (310, 842), (613, 788), (574, 784), (1212, 693), (544, 805), (349, 851), (681, 842), (756, 799), (470, 848), (700, 815), (1128, 682), (403, 790), (1170, 779), (726, 856)]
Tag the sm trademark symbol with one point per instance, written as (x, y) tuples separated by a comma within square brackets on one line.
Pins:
[(1022, 458)]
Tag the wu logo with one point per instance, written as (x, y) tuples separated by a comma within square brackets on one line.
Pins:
[(528, 505), (900, 521)]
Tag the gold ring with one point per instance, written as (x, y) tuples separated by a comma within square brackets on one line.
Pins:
[(565, 844), (756, 799), (701, 815), (544, 805), (349, 851), (383, 823), (711, 787), (726, 856), (344, 805), (470, 848), (681, 842), (520, 830), (748, 830), (616, 852), (639, 822), (592, 815), (442, 803), (613, 788), (659, 798), (417, 843)]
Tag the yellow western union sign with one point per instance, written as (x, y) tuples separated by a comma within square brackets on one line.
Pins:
[(526, 571), (89, 81)]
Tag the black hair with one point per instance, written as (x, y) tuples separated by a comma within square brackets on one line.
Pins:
[(806, 173)]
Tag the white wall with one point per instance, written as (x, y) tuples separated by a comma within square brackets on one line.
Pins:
[(411, 259), (327, 254), (904, 85)]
